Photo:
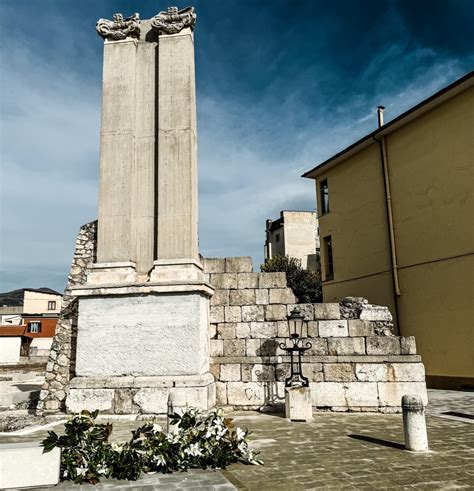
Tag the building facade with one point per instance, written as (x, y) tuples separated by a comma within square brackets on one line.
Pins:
[(395, 214), (294, 234)]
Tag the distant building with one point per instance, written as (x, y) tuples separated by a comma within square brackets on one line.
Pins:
[(396, 214), (294, 234), (28, 319)]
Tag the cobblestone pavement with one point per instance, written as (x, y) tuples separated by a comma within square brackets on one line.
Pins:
[(335, 451)]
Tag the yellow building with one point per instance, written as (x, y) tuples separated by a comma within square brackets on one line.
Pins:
[(396, 218)]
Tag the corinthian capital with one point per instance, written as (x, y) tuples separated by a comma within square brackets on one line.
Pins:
[(119, 28), (173, 20)]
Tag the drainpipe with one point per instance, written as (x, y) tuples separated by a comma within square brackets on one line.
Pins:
[(388, 200)]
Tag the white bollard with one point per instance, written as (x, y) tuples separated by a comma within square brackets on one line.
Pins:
[(298, 406), (414, 423)]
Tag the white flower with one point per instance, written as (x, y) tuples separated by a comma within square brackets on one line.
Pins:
[(81, 471), (242, 446), (240, 434), (102, 469), (117, 447), (157, 428), (65, 473), (194, 450), (159, 460)]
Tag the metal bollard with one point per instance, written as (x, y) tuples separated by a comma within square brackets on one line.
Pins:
[(414, 424)]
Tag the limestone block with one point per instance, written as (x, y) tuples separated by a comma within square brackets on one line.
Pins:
[(242, 264), (408, 372), (383, 345), (152, 400), (270, 347), (306, 310), (123, 401), (232, 314), (272, 280), (216, 314), (242, 330), (346, 346), (338, 372), (220, 297), (234, 347), (242, 297), (253, 313), (281, 295), (224, 281), (202, 398), (312, 328), (245, 393), (263, 329), (215, 370), (275, 312), (212, 331), (327, 394), (226, 330), (282, 329), (360, 328), (261, 297), (361, 394), (247, 280), (372, 372), (336, 328), (252, 347), (230, 372), (221, 393), (326, 311), (391, 393), (313, 371), (298, 404), (213, 265), (375, 313), (258, 373), (216, 347), (90, 399), (319, 347), (407, 345)]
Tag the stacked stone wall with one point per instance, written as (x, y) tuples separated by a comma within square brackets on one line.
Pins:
[(355, 363)]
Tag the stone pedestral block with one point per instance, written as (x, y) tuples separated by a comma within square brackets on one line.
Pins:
[(298, 404), (170, 270), (112, 273)]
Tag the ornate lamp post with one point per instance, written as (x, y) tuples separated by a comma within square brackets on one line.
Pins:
[(296, 322)]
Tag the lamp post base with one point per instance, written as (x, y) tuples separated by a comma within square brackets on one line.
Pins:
[(298, 406)]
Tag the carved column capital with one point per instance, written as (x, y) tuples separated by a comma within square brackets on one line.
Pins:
[(119, 28), (173, 20)]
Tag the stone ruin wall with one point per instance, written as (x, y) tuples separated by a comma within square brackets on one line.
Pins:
[(355, 363)]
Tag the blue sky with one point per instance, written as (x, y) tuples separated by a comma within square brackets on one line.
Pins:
[(281, 86)]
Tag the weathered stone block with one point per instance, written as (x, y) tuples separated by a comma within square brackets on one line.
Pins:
[(220, 297), (226, 330), (230, 372), (212, 331), (272, 280), (216, 347), (270, 347), (224, 281), (281, 295), (346, 346), (234, 347), (383, 345), (298, 404), (361, 394), (232, 314), (407, 345), (242, 297), (261, 297), (372, 372), (360, 328), (123, 401), (242, 330), (258, 373), (215, 370), (306, 310), (336, 328), (408, 372), (221, 393), (216, 314), (152, 400), (263, 329), (375, 313), (213, 265), (201, 398), (275, 312), (253, 313), (245, 393), (312, 327), (391, 393), (282, 329), (247, 280), (338, 372), (90, 399), (319, 347), (326, 311), (238, 264), (313, 371), (327, 394), (252, 347)]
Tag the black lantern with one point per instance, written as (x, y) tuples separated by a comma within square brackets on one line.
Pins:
[(296, 322)]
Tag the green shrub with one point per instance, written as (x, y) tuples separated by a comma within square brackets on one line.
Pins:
[(199, 442), (306, 285)]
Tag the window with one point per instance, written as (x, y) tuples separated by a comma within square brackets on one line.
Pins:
[(324, 196), (277, 238), (52, 305), (34, 327), (328, 257)]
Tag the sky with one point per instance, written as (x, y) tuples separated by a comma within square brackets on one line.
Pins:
[(281, 86)]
